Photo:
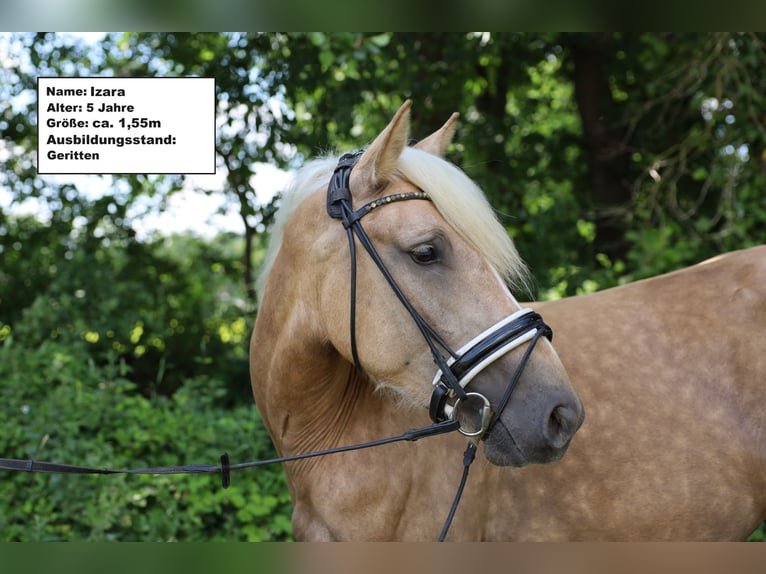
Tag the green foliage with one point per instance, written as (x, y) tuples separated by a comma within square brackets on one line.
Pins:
[(615, 130), (609, 156), (152, 305), (759, 535), (58, 405)]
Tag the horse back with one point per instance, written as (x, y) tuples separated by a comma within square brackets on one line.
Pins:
[(704, 321), (672, 374)]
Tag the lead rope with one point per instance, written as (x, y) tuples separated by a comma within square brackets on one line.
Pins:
[(468, 457), (224, 468), (412, 435)]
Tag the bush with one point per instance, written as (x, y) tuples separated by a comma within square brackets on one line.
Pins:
[(759, 535), (173, 308), (57, 404)]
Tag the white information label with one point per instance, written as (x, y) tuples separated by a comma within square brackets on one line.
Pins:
[(125, 125)]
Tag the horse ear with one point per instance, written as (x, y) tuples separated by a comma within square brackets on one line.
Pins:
[(438, 142), (377, 165)]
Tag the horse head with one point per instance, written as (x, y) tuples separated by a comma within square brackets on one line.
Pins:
[(428, 276)]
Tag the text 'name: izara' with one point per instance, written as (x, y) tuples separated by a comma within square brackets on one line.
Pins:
[(94, 91)]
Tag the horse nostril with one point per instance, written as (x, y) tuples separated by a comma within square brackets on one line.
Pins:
[(560, 426)]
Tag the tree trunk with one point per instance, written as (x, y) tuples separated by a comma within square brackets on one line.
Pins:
[(248, 278), (607, 157)]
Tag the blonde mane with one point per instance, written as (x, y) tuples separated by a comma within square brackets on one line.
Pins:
[(457, 198)]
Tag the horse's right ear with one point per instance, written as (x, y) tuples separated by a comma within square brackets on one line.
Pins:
[(377, 165), (438, 142)]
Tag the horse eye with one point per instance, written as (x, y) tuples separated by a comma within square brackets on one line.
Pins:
[(424, 254)]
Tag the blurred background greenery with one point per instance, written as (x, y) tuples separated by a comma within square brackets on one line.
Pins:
[(610, 157)]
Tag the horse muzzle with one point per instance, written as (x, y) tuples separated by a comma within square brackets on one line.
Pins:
[(544, 436)]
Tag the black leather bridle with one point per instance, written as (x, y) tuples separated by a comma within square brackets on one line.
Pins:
[(456, 369)]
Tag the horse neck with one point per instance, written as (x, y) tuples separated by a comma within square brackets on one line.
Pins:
[(310, 397), (330, 408)]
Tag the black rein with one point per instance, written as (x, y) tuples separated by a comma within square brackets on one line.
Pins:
[(224, 469)]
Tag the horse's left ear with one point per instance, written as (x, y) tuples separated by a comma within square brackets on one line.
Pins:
[(377, 165), (438, 142)]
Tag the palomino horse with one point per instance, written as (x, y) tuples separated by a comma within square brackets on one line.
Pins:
[(337, 361), (327, 373)]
